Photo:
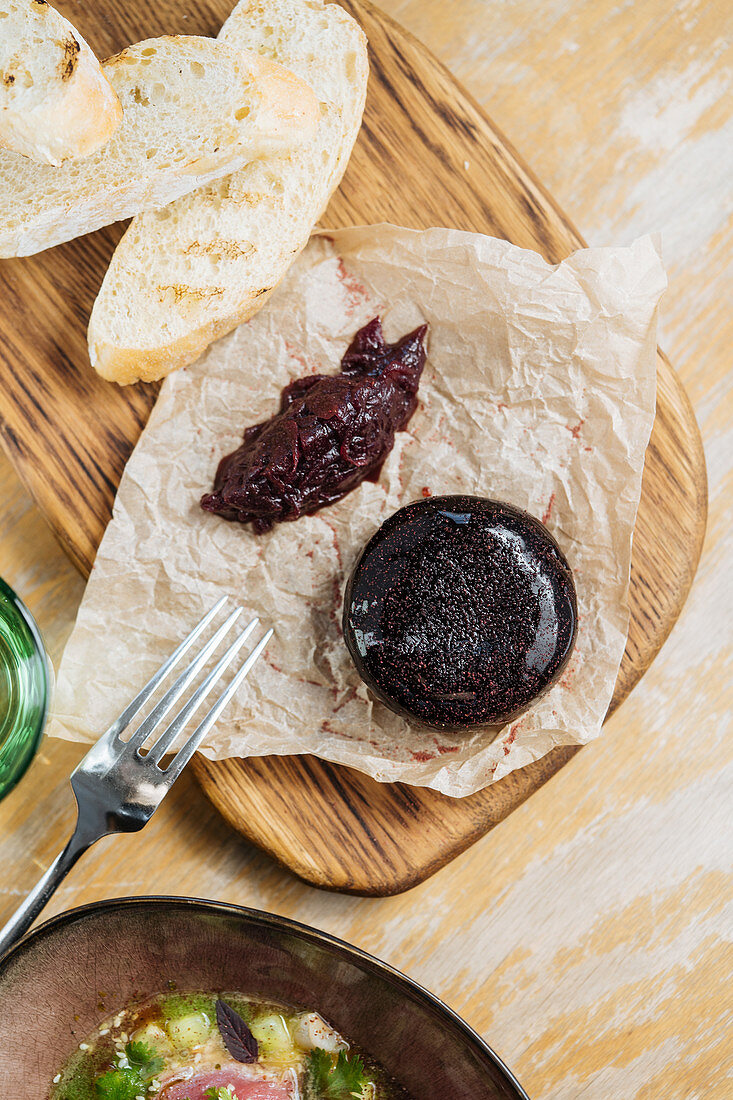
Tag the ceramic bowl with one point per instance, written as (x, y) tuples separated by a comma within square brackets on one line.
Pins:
[(53, 982)]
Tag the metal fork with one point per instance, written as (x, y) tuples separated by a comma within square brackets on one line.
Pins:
[(117, 787)]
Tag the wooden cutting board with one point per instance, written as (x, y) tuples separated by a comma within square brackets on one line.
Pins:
[(427, 155)]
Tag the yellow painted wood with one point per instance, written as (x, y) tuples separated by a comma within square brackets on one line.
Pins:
[(333, 826), (587, 936)]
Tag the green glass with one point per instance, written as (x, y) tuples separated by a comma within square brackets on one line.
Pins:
[(24, 688)]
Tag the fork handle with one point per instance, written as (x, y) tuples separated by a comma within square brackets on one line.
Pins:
[(26, 913)]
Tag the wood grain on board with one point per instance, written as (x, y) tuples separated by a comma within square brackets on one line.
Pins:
[(426, 155)]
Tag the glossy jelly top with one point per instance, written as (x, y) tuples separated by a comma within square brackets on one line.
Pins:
[(460, 611), (330, 433)]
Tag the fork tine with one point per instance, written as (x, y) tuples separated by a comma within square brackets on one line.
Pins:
[(121, 723), (187, 750), (176, 690), (158, 749)]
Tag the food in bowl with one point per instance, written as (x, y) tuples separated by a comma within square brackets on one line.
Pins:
[(61, 979), (460, 612), (205, 1046), (330, 434)]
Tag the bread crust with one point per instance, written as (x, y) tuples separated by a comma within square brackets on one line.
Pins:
[(125, 366)]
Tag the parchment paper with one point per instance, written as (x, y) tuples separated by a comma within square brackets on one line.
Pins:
[(539, 389)]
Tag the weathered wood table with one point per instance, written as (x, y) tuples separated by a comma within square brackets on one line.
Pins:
[(587, 936)]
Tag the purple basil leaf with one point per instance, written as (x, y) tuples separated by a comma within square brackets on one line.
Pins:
[(237, 1038)]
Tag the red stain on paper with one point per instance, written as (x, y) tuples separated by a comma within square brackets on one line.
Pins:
[(348, 698), (509, 739), (356, 292), (566, 680), (336, 546), (310, 366), (548, 509), (575, 431)]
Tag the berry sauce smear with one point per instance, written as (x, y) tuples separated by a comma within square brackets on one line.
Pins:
[(331, 433)]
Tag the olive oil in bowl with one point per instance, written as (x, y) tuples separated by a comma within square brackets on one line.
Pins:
[(24, 688)]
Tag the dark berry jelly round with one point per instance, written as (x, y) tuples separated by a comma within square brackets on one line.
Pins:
[(460, 612)]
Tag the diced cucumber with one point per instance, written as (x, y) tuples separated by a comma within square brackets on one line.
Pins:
[(189, 1031), (154, 1037), (274, 1038)]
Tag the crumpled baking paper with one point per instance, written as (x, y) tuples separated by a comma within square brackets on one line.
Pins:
[(539, 389)]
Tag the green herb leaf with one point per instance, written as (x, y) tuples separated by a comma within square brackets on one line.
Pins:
[(219, 1094), (143, 1058), (138, 1053), (126, 1084), (341, 1079), (119, 1084), (320, 1064)]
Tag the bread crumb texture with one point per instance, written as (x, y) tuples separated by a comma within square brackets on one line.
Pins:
[(241, 233)]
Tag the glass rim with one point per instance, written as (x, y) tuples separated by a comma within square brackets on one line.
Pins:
[(41, 666)]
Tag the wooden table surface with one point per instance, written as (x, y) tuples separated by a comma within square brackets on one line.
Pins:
[(588, 937)]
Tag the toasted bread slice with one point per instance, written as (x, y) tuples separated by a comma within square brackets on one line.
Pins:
[(56, 104), (194, 109), (183, 276)]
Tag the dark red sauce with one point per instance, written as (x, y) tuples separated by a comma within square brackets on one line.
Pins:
[(460, 612), (330, 434)]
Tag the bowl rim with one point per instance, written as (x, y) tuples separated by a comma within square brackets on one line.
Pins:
[(269, 920), (42, 665)]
